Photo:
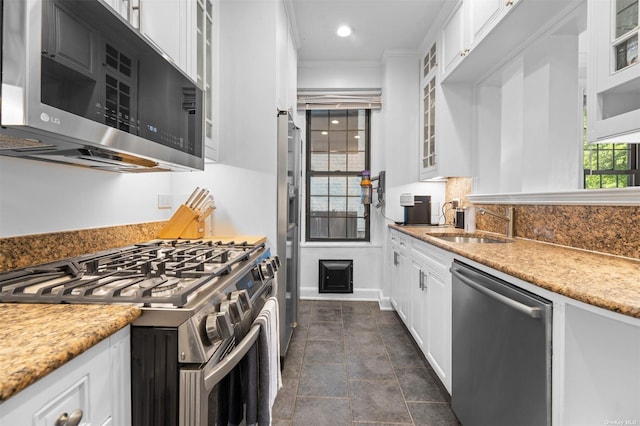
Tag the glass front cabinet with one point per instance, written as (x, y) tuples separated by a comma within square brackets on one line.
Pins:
[(613, 96), (428, 144)]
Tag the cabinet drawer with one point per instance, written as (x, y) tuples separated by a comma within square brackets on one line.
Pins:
[(73, 400), (434, 254)]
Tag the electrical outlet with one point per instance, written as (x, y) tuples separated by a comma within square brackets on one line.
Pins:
[(455, 203), (164, 201)]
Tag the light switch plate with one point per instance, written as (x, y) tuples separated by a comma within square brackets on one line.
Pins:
[(164, 201)]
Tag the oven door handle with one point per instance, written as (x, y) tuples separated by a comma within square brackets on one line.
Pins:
[(227, 364)]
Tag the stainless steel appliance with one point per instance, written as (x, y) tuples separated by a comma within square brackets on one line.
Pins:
[(289, 173), (195, 338), (81, 86), (501, 365)]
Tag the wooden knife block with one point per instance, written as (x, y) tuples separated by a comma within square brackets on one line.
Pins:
[(185, 223)]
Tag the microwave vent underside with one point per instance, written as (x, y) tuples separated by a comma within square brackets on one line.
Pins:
[(12, 142)]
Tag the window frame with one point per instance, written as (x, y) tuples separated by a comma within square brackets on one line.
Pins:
[(309, 174)]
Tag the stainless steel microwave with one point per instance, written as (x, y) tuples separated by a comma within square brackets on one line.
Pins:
[(81, 86)]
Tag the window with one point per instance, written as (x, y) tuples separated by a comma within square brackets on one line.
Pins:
[(337, 152), (611, 165)]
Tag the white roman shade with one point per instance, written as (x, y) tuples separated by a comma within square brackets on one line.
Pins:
[(339, 99)]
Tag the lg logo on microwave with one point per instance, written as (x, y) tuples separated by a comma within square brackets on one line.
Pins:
[(48, 119)]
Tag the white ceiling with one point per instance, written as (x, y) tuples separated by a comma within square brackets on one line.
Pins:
[(378, 26)]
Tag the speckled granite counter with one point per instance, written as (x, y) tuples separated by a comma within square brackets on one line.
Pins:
[(37, 339), (601, 280)]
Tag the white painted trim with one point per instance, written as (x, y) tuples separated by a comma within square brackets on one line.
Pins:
[(359, 295), (601, 197), (385, 304)]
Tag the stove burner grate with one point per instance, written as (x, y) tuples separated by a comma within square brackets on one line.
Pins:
[(157, 272)]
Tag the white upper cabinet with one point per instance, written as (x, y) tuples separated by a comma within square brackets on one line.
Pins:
[(613, 96), (428, 143), (454, 40), (166, 24), (170, 25), (481, 35), (483, 15)]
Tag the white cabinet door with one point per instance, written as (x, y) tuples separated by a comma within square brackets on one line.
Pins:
[(400, 265), (418, 299), (601, 367), (95, 384), (122, 7), (613, 72), (454, 40), (399, 297), (166, 24), (437, 283), (435, 307), (483, 16)]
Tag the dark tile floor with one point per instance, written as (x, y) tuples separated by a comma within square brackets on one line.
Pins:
[(349, 363)]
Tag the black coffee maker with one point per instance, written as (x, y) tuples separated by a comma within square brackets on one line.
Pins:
[(420, 212)]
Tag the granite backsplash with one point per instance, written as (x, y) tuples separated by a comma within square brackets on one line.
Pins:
[(23, 251), (606, 229)]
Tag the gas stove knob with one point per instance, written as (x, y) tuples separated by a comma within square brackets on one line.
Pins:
[(243, 300), (232, 306), (267, 269), (257, 274), (218, 326)]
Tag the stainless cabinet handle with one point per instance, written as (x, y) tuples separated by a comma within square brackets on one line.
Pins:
[(69, 420), (533, 312), (395, 258)]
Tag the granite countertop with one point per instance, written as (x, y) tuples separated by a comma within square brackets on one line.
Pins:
[(602, 280), (38, 338)]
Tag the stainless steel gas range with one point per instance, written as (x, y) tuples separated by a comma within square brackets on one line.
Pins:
[(199, 300)]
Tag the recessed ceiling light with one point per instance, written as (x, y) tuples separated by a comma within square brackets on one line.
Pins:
[(335, 122), (344, 31), (325, 133)]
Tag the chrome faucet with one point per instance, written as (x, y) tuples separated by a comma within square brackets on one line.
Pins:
[(508, 217)]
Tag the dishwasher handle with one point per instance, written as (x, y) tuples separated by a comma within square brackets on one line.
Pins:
[(533, 312)]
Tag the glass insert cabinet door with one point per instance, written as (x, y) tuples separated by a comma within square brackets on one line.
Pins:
[(625, 44)]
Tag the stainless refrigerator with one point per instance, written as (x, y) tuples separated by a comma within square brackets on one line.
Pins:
[(288, 235)]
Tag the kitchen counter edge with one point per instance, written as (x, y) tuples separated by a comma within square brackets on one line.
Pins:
[(39, 338)]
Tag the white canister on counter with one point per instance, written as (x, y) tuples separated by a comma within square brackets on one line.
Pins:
[(470, 219)]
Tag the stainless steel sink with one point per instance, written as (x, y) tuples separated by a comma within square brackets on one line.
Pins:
[(471, 239)]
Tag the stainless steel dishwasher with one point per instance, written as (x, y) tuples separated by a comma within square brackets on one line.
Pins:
[(501, 363)]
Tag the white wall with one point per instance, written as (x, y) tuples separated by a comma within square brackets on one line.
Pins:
[(394, 143), (38, 197)]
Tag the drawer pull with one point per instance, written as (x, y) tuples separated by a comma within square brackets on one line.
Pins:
[(69, 420)]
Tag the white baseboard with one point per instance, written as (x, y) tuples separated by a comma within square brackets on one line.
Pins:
[(359, 294)]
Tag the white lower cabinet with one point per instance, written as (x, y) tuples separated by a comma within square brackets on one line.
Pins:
[(399, 275), (96, 385), (600, 368), (418, 302), (438, 322), (433, 307), (421, 295)]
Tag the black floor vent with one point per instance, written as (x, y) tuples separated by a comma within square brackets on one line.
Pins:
[(336, 276)]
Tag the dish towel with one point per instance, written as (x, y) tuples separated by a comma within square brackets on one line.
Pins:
[(268, 360)]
